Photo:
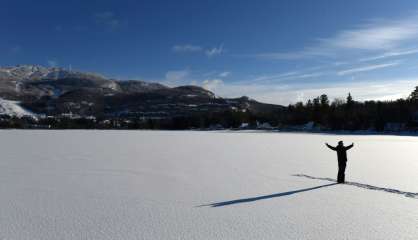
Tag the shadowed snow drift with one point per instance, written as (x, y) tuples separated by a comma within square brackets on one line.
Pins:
[(283, 194)]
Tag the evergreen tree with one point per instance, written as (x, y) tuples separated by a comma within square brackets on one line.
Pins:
[(309, 104), (414, 95), (350, 99), (316, 102), (324, 100)]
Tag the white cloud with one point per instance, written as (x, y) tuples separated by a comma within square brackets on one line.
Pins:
[(308, 75), (371, 37), (212, 84), (367, 68), (272, 89), (187, 48), (224, 74), (276, 77), (209, 80), (375, 36), (390, 54), (215, 51), (281, 77)]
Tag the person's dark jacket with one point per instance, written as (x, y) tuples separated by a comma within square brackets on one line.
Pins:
[(341, 152)]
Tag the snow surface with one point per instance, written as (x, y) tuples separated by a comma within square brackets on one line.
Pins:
[(204, 185), (12, 108)]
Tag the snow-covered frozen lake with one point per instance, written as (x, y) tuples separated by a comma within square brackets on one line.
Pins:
[(204, 185)]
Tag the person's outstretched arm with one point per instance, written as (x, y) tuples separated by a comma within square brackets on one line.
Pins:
[(348, 147), (330, 147)]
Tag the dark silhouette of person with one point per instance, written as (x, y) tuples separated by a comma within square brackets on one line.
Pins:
[(342, 159)]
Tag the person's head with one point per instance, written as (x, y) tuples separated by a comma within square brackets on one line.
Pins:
[(340, 143)]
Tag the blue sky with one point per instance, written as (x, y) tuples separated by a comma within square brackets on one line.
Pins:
[(274, 51)]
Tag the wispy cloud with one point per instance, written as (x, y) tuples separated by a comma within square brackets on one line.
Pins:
[(275, 76), (367, 68), (212, 84), (282, 55), (211, 81), (107, 19), (389, 89), (390, 54), (187, 48), (274, 89), (215, 51), (369, 38), (375, 35), (224, 74), (282, 77), (373, 46)]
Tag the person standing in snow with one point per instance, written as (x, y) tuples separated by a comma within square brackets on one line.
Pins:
[(342, 159)]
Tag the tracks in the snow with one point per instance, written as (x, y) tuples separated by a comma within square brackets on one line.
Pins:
[(365, 186)]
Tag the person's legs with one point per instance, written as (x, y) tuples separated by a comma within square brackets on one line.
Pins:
[(339, 177), (341, 173)]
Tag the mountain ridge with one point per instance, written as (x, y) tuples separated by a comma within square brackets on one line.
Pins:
[(55, 91)]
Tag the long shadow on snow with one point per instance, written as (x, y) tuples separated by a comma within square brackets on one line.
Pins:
[(246, 200), (366, 186)]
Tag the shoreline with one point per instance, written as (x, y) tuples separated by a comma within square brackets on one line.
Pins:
[(342, 132)]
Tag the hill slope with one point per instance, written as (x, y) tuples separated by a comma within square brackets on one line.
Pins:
[(54, 91)]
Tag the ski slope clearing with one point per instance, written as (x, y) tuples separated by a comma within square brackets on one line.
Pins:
[(13, 109), (205, 185)]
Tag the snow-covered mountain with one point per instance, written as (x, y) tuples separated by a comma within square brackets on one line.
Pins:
[(23, 81), (54, 91), (36, 72)]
